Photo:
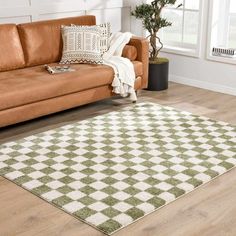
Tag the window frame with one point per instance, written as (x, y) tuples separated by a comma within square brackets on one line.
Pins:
[(210, 38), (187, 51)]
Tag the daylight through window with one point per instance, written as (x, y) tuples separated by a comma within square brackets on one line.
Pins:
[(184, 31)]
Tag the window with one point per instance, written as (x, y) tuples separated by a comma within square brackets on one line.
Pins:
[(183, 36), (232, 25), (222, 26)]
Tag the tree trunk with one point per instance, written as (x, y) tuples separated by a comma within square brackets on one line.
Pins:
[(153, 41)]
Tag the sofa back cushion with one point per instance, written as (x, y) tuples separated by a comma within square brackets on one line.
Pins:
[(42, 41), (11, 56)]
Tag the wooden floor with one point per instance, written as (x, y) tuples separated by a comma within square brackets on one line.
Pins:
[(208, 211)]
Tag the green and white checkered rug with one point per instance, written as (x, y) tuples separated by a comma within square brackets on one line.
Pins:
[(113, 169)]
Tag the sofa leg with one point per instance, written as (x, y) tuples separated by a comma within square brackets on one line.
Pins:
[(137, 96)]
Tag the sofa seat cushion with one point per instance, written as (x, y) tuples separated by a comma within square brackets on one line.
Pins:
[(34, 84)]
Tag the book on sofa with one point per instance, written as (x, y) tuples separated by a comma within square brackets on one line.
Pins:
[(58, 69)]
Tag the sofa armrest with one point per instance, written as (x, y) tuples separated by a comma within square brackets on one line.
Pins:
[(142, 46)]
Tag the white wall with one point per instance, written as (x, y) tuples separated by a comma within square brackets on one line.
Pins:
[(19, 11), (202, 73)]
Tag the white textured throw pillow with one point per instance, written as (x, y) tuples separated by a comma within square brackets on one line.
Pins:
[(106, 33), (105, 37), (81, 44)]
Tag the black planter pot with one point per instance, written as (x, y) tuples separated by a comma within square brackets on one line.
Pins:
[(158, 75)]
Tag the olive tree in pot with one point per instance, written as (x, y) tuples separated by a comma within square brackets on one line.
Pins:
[(152, 21)]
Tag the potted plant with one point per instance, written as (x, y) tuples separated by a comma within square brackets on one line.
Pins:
[(152, 21)]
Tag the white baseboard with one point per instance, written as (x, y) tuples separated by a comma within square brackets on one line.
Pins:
[(202, 84)]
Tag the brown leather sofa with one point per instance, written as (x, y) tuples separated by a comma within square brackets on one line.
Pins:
[(27, 91)]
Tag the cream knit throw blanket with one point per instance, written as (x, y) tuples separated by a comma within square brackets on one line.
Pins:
[(124, 77)]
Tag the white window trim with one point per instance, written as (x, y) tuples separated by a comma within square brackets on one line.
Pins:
[(181, 51), (210, 57), (186, 51)]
